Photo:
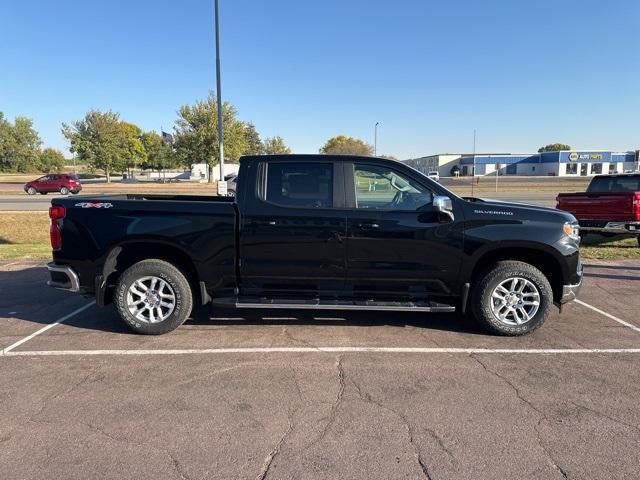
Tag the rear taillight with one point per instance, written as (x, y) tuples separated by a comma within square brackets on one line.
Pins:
[(56, 214)]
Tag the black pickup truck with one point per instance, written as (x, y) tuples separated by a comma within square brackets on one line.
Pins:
[(317, 232)]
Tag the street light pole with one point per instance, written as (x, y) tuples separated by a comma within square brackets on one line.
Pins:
[(219, 95), (375, 139)]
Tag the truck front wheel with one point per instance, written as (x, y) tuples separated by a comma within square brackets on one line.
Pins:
[(512, 298), (153, 297)]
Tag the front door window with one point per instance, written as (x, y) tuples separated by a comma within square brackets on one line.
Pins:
[(381, 188)]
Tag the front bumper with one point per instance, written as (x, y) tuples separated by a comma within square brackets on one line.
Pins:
[(63, 277), (613, 227)]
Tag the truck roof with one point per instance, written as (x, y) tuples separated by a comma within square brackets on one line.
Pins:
[(312, 156)]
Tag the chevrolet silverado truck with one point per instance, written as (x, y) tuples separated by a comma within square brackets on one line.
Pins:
[(317, 232), (611, 205)]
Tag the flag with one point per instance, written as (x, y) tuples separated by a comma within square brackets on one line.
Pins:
[(167, 138)]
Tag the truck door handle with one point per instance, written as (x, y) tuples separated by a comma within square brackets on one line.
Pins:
[(367, 226), (260, 223)]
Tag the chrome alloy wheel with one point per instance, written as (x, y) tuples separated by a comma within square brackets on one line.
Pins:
[(515, 301), (151, 299)]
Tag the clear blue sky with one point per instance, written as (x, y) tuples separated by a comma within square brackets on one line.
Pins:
[(524, 73)]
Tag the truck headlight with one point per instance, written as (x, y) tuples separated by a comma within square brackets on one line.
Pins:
[(571, 230)]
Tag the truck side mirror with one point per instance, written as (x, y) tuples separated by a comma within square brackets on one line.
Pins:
[(442, 204)]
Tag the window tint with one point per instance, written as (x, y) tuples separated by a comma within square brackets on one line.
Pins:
[(308, 185), (615, 184), (384, 189)]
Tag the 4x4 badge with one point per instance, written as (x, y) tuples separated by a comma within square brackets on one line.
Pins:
[(94, 205)]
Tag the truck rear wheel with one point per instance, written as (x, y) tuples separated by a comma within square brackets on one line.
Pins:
[(512, 298), (153, 297)]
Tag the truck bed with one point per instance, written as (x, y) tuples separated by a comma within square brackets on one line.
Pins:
[(609, 206), (199, 227)]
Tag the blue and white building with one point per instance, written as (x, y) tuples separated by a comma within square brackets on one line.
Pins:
[(563, 163)]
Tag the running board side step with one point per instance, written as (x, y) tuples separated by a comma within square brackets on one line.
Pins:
[(255, 303)]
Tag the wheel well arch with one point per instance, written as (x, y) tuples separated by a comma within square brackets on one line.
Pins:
[(542, 260), (124, 255)]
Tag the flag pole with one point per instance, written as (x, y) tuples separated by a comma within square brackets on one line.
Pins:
[(219, 95), (473, 168)]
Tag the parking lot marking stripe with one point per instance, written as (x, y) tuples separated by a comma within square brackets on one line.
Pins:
[(248, 350), (608, 315), (44, 329)]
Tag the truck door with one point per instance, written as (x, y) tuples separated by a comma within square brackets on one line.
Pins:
[(398, 246), (292, 230)]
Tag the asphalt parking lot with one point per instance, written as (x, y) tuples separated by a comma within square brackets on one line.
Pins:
[(301, 395)]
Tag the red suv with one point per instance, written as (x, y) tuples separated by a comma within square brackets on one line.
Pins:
[(54, 182)]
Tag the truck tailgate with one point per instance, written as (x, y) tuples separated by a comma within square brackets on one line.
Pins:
[(599, 206)]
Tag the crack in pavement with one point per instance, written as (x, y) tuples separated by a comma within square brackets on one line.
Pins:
[(440, 443), (604, 415), (66, 391), (409, 429), (268, 461), (541, 414), (266, 465), (285, 332), (177, 466), (335, 405), (33, 418)]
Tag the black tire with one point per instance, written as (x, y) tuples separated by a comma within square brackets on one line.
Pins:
[(64, 191), (31, 191), (490, 279), (173, 277), (43, 193)]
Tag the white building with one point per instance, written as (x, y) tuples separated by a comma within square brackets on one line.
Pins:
[(563, 163)]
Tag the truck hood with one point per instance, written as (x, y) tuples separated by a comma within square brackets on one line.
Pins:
[(500, 208)]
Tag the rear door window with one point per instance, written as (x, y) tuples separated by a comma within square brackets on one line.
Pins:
[(300, 184)]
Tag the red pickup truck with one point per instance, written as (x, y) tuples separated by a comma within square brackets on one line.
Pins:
[(611, 204)]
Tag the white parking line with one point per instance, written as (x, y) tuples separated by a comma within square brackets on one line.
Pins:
[(6, 351), (252, 350), (608, 315)]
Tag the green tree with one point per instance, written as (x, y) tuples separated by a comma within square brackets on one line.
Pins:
[(276, 146), (6, 143), (130, 142), (554, 147), (254, 144), (196, 134), (51, 160), (159, 154), (97, 140), (343, 145), (19, 145)]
